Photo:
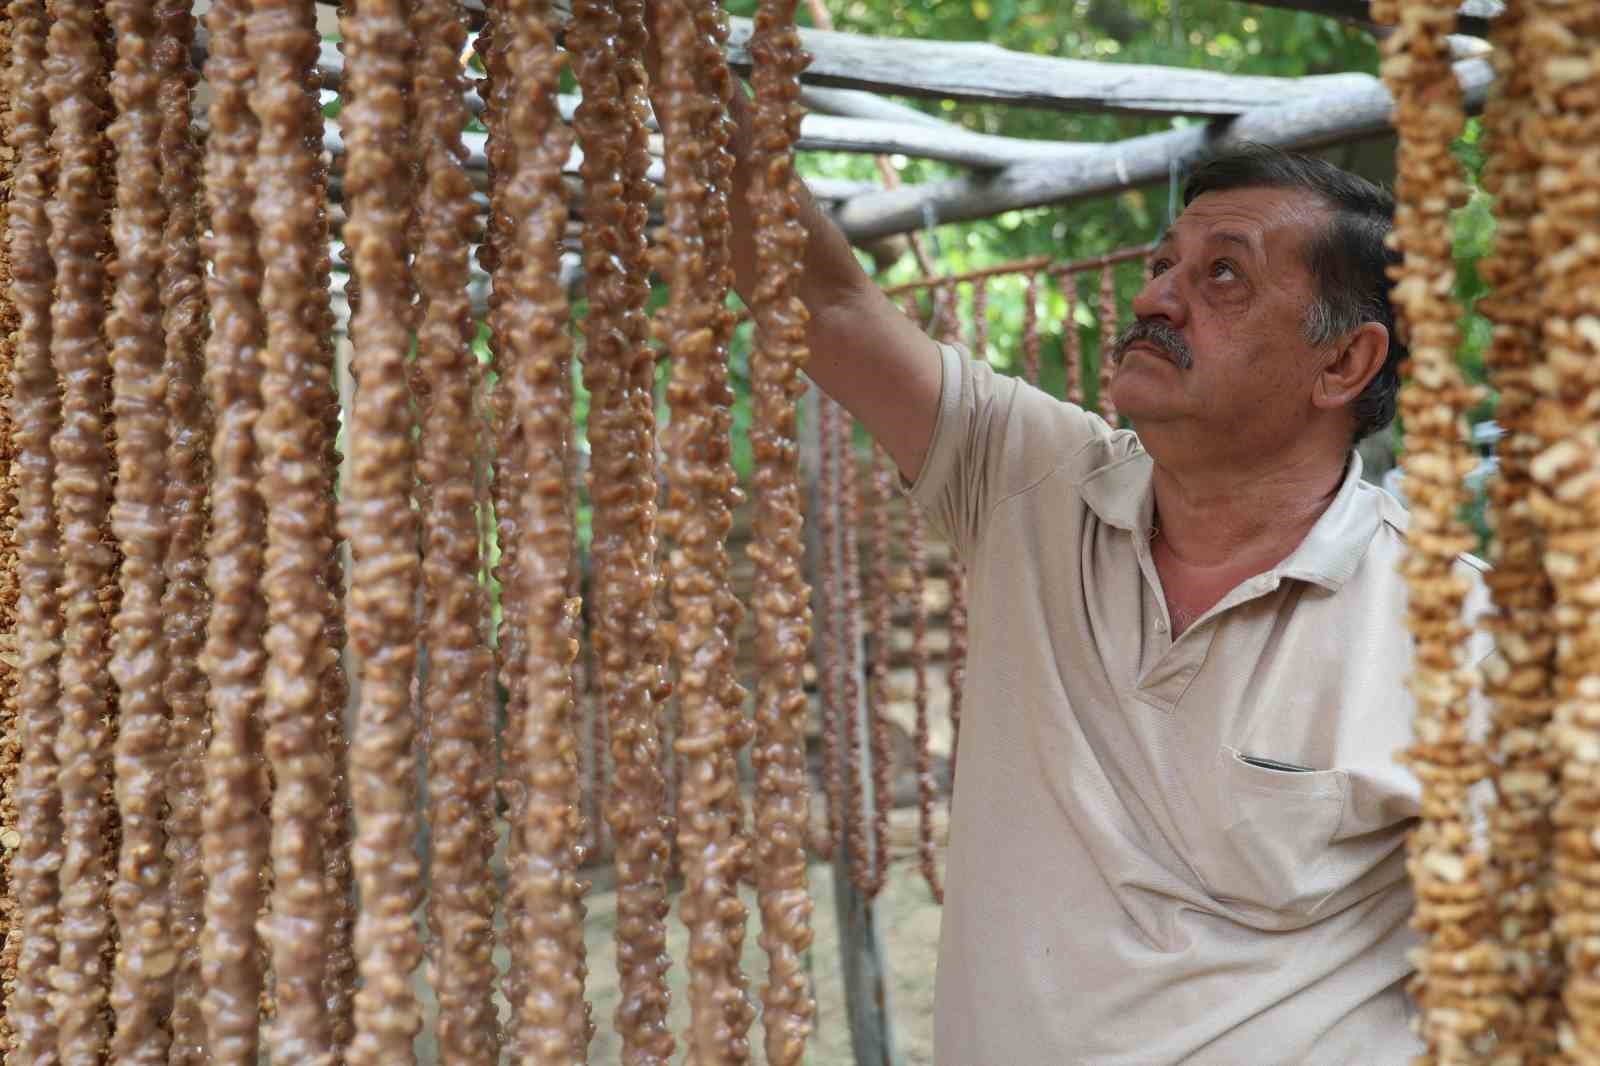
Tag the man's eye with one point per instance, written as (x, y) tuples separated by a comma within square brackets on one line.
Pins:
[(1222, 268), (1159, 267)]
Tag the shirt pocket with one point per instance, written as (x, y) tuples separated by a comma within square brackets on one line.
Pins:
[(1266, 852)]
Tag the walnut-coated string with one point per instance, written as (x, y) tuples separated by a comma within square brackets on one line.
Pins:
[(141, 990), (917, 575), (552, 1017), (78, 237), (1072, 342), (498, 255), (618, 372), (829, 644), (185, 606), (234, 844), (1030, 329), (856, 757), (1108, 337), (461, 898), (599, 777), (36, 415), (281, 40), (781, 600), (916, 580), (1460, 980), (377, 516), (1563, 132), (10, 711), (339, 967), (714, 79), (702, 485), (956, 621), (1518, 678), (881, 620)]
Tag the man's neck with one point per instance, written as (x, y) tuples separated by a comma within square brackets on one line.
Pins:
[(1222, 517)]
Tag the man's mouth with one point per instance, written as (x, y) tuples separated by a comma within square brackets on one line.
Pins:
[(1148, 349), (1157, 338)]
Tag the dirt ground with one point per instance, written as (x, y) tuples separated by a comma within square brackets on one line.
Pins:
[(907, 916)]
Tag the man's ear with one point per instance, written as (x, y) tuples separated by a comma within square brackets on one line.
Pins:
[(1355, 361)]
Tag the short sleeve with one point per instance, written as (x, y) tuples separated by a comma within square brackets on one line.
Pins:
[(995, 436)]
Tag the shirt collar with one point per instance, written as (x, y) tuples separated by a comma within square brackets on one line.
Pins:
[(1120, 494)]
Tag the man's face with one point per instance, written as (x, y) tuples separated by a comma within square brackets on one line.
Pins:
[(1217, 358)]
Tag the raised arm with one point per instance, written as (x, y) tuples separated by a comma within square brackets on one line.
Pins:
[(865, 352)]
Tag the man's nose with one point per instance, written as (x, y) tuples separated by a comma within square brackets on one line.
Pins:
[(1160, 298)]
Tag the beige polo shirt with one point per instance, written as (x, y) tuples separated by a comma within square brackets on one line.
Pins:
[(1124, 888)]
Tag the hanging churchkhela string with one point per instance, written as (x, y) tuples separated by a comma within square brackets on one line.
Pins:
[(280, 38), (185, 605), (77, 236), (380, 522), (917, 570), (781, 600), (339, 967), (703, 491), (552, 1018), (880, 616), (1108, 339), (829, 642), (1518, 678), (619, 374), (850, 705), (916, 579), (141, 992), (497, 255), (460, 736), (1563, 132), (234, 845), (956, 574), (36, 418), (10, 709), (1459, 976)]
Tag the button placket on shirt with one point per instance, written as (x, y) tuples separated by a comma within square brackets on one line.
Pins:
[(1164, 681)]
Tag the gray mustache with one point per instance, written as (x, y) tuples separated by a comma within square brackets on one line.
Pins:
[(1157, 334)]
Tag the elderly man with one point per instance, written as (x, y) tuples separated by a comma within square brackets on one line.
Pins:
[(1178, 834)]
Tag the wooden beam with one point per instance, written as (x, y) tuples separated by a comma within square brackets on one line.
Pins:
[(1334, 118), (985, 73), (951, 144), (1472, 17), (926, 138), (854, 103)]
